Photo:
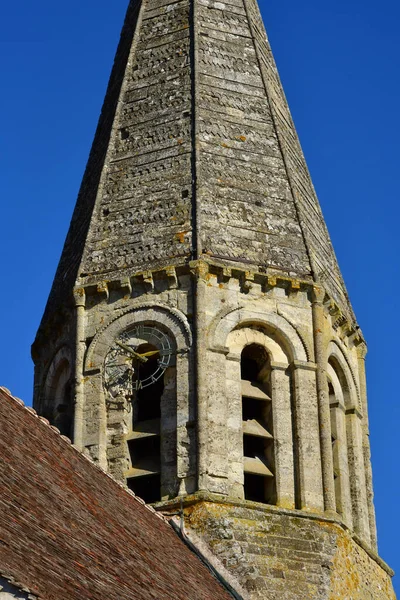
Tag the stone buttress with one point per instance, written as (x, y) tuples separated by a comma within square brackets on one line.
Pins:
[(198, 341)]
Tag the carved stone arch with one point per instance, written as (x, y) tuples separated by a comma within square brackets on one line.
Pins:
[(58, 392), (62, 358), (241, 337), (171, 319), (338, 362), (337, 388), (277, 327), (343, 350), (176, 402)]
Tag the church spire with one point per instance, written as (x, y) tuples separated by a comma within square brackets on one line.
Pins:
[(196, 155)]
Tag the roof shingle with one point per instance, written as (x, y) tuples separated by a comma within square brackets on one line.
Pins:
[(70, 532)]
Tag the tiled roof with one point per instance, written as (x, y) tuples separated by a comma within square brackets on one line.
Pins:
[(70, 532)]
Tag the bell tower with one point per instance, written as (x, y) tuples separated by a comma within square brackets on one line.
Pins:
[(198, 342)]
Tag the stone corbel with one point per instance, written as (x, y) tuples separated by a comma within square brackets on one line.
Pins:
[(126, 285), (148, 280), (173, 283), (102, 288), (200, 269), (226, 274), (331, 307), (361, 346), (295, 285), (347, 329), (247, 281)]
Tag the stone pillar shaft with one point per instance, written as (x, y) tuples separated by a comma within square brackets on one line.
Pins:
[(283, 436), (357, 475), (79, 297), (308, 445), (366, 446), (200, 270), (340, 460), (323, 400)]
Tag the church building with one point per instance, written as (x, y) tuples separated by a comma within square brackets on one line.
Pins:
[(198, 344)]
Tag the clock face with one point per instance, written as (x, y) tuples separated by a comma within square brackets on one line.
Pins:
[(137, 359)]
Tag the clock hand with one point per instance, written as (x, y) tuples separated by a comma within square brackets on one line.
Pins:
[(151, 353), (132, 352)]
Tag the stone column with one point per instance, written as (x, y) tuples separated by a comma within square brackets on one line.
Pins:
[(218, 409), (283, 435), (323, 399), (357, 473), (200, 270), (361, 354), (234, 425), (80, 300), (186, 422), (169, 454), (340, 461), (307, 439)]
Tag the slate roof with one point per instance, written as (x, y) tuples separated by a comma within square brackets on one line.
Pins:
[(70, 532)]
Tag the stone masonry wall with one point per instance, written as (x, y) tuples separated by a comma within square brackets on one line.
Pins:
[(281, 555)]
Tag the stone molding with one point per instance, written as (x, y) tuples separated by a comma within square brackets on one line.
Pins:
[(272, 322), (337, 352), (171, 318)]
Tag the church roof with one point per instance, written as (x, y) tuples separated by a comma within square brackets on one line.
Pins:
[(70, 532), (196, 155)]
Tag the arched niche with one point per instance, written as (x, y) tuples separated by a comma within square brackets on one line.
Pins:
[(258, 393), (346, 421), (171, 319), (339, 363), (59, 393), (174, 431), (338, 401)]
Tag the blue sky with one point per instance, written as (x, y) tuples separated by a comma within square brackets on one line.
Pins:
[(339, 63)]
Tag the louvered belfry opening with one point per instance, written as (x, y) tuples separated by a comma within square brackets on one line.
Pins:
[(258, 439), (144, 441)]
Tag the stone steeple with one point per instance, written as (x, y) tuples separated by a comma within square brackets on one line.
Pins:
[(198, 342), (196, 155)]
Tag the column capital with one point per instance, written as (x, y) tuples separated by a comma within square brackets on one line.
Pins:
[(318, 294), (79, 296)]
